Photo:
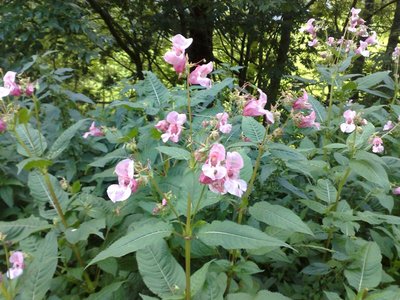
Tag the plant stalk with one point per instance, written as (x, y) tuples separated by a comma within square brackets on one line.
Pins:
[(188, 240)]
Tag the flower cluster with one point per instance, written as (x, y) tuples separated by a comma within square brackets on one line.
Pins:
[(176, 56), (223, 124), (302, 120), (126, 181), (221, 172), (255, 107), (171, 126), (351, 121), (17, 268), (93, 131), (312, 30), (14, 89)]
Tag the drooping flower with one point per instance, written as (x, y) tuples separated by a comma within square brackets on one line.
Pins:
[(362, 49), (222, 124), (396, 53), (309, 28), (396, 191), (171, 126), (331, 41), (126, 181), (17, 268), (377, 145), (255, 108), (10, 84), (176, 56), (3, 125), (389, 125), (199, 75), (303, 121), (349, 125), (313, 43), (93, 131), (221, 172), (302, 102), (372, 39), (355, 20)]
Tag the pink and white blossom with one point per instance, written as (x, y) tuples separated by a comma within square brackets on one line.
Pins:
[(126, 181), (255, 108), (389, 125), (3, 125), (302, 102), (17, 268), (362, 49), (396, 53), (396, 191), (93, 131), (10, 84), (199, 75), (176, 56), (377, 145), (223, 124), (313, 43), (171, 127), (309, 28), (372, 39), (349, 125), (308, 121)]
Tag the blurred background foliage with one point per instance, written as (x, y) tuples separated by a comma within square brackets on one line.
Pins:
[(105, 41)]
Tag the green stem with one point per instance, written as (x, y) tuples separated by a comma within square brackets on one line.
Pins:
[(4, 291), (188, 240), (36, 107), (198, 202)]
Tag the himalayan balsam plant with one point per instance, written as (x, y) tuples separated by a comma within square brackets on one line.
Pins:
[(203, 192)]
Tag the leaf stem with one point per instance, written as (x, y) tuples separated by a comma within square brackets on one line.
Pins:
[(188, 240)]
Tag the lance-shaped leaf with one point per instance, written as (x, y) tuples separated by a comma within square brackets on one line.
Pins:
[(231, 235), (30, 141), (175, 152), (135, 240), (161, 273), (325, 191), (253, 129), (22, 228)]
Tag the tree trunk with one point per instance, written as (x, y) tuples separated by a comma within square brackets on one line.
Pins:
[(393, 37)]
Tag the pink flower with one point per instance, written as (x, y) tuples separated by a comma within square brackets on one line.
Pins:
[(355, 20), (389, 125), (349, 125), (371, 40), (221, 172), (126, 181), (171, 126), (313, 43), (396, 191), (223, 125), (362, 49), (30, 88), (4, 92), (331, 41), (9, 83), (377, 145), (396, 53), (309, 27), (3, 126), (17, 268), (308, 121), (93, 131), (176, 56), (255, 108), (199, 75), (302, 102)]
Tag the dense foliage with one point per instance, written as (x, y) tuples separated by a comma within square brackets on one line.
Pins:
[(200, 190)]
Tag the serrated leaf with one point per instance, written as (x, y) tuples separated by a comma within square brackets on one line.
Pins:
[(77, 97), (37, 279), (366, 269), (107, 291), (262, 295), (318, 108), (285, 153), (214, 287), (371, 171), (33, 162), (198, 279), (63, 141), (118, 154), (135, 240), (22, 228), (253, 129), (175, 152), (371, 80), (34, 143), (74, 235), (160, 271), (231, 235), (325, 191), (279, 216)]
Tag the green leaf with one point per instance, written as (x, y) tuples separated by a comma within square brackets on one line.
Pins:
[(279, 216), (161, 273), (37, 279), (77, 97), (325, 191), (253, 129), (198, 279), (214, 287), (175, 152), (318, 108), (63, 141), (231, 235), (34, 143), (332, 296), (316, 268), (106, 292), (33, 162), (371, 80), (41, 193), (366, 270), (74, 235), (371, 171), (118, 154), (262, 295), (285, 153), (22, 228), (135, 240)]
